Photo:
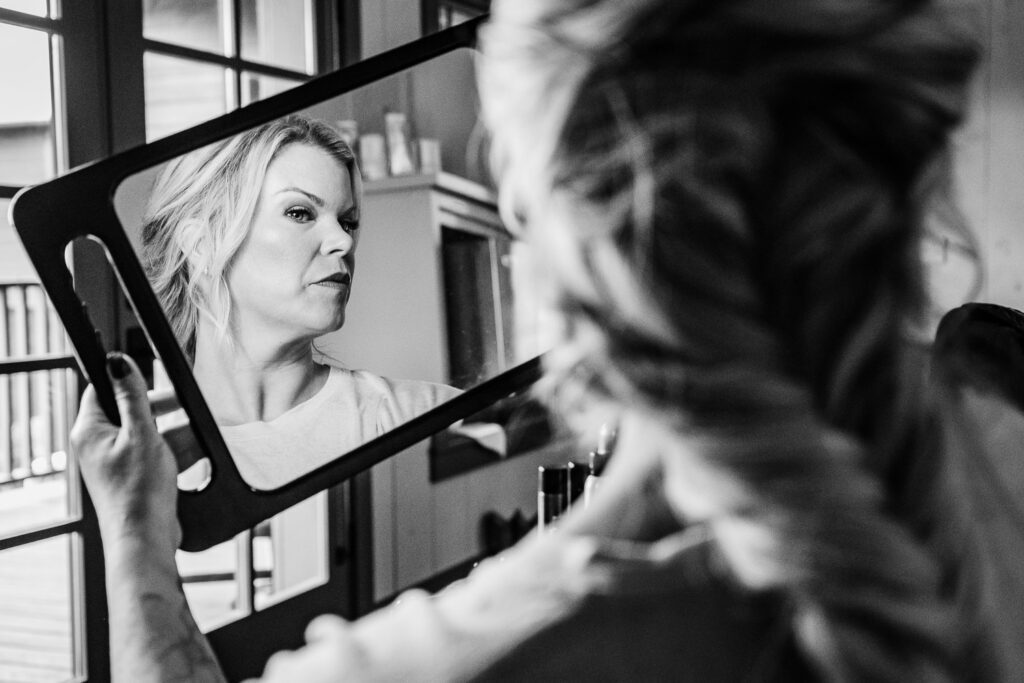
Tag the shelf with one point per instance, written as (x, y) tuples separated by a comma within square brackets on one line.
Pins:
[(445, 182)]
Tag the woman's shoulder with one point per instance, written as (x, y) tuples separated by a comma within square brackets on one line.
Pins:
[(400, 389), (611, 610), (394, 400), (658, 611)]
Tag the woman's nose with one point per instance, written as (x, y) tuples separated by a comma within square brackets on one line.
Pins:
[(338, 240)]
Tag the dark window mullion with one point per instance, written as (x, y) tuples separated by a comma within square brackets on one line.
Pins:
[(349, 34), (41, 534), (333, 48), (236, 29), (91, 67), (37, 363), (236, 50), (9, 16)]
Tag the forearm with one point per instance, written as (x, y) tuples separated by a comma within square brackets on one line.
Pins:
[(152, 633), (130, 473)]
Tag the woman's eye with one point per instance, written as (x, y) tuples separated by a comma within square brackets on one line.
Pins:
[(349, 225), (299, 213)]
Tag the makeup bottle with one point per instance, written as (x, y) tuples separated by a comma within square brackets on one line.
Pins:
[(396, 135), (373, 161), (552, 495), (596, 460), (578, 474)]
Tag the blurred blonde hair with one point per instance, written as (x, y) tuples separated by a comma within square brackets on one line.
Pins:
[(729, 196), (200, 213)]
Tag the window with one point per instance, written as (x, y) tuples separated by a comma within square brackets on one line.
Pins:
[(40, 515), (27, 123), (80, 81)]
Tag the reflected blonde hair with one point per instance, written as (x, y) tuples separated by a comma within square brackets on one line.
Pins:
[(200, 212), (729, 197)]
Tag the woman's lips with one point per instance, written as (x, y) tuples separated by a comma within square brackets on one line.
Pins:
[(332, 284), (335, 281)]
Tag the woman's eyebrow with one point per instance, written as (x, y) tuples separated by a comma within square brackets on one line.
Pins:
[(312, 197)]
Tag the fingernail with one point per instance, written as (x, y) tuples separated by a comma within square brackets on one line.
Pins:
[(117, 365)]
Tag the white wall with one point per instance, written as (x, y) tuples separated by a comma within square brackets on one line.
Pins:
[(388, 23), (989, 155)]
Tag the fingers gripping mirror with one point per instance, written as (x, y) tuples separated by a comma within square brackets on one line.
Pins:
[(321, 278)]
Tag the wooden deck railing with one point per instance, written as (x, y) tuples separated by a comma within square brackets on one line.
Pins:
[(35, 408)]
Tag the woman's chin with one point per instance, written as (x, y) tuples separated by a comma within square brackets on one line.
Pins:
[(332, 325)]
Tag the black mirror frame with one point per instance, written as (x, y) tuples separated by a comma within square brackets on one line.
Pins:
[(49, 216)]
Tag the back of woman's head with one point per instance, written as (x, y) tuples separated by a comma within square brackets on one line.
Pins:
[(728, 195), (200, 212)]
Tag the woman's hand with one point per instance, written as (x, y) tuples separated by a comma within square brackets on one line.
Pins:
[(129, 470)]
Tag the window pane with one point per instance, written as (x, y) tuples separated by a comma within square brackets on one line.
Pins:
[(36, 7), (26, 121), (209, 580), (36, 412), (256, 87), (35, 612), (277, 32), (181, 93), (14, 263), (192, 23)]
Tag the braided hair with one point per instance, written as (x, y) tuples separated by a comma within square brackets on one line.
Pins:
[(729, 198)]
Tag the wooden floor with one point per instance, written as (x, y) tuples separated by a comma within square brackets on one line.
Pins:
[(35, 588), (35, 591)]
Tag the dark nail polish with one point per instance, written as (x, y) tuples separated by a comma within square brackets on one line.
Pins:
[(117, 365)]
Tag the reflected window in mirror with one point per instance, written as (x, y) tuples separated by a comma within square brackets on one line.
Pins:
[(441, 14), (494, 308), (473, 304), (204, 58)]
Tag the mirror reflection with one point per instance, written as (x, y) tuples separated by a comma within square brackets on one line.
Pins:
[(328, 277)]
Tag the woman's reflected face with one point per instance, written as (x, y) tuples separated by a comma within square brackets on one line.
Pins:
[(293, 273)]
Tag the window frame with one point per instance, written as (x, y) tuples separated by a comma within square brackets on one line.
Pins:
[(95, 45), (80, 204), (78, 140)]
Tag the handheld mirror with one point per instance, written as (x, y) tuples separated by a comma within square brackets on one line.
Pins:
[(427, 321)]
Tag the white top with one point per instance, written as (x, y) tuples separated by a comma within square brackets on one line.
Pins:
[(558, 607), (353, 407)]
